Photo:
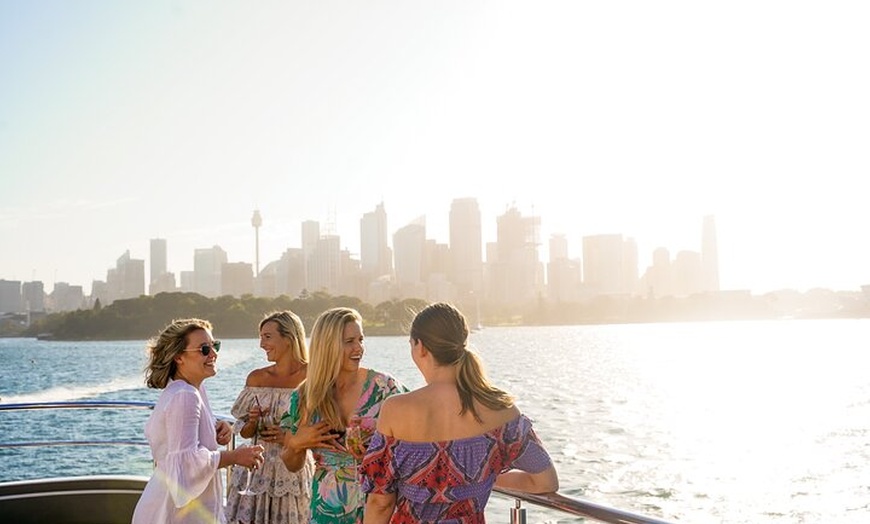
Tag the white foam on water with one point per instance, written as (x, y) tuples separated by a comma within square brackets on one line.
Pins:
[(63, 393), (78, 392)]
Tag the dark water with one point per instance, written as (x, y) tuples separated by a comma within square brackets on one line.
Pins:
[(730, 422)]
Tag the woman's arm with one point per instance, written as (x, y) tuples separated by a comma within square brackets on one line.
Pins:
[(223, 432), (546, 481), (305, 438), (379, 508), (246, 456), (250, 426)]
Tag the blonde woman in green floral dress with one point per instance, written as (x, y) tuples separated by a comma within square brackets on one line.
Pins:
[(333, 414)]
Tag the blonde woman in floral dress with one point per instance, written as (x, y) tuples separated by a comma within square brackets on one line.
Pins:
[(333, 415), (280, 496)]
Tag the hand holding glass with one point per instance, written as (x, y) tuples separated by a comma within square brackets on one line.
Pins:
[(262, 421)]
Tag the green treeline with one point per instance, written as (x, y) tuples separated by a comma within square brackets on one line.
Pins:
[(144, 317)]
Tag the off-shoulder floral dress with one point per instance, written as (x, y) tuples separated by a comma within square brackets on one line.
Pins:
[(282, 496), (335, 494), (449, 481)]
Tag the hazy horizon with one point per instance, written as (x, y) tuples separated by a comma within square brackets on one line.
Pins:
[(123, 122)]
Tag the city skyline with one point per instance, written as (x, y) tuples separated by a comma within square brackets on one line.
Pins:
[(158, 249), (120, 123)]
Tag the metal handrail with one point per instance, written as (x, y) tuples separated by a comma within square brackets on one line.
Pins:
[(554, 501), (77, 404), (94, 404), (574, 506)]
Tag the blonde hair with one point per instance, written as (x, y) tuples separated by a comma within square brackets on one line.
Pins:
[(289, 327), (316, 393), (163, 349), (443, 330)]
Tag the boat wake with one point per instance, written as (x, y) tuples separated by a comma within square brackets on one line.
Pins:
[(79, 392)]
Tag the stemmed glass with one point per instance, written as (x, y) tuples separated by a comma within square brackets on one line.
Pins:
[(359, 433), (263, 421)]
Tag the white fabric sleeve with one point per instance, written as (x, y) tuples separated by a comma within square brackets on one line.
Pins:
[(189, 466)]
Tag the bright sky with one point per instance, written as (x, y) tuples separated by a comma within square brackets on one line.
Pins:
[(126, 121)]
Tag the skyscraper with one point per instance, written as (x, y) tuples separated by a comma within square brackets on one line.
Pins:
[(709, 255), (126, 279), (158, 259), (375, 255), (207, 264), (409, 243), (516, 273), (466, 247)]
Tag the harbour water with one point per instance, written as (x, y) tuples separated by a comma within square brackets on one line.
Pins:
[(719, 422)]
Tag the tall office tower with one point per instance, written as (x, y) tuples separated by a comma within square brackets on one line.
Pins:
[(237, 279), (466, 248), (126, 279), (10, 296), (310, 238), (658, 280), (409, 244), (65, 297), (436, 266), (33, 294), (158, 259), (710, 255), (564, 278), (256, 221), (207, 264), (375, 256), (290, 273), (603, 264), (517, 274), (630, 280), (324, 265)]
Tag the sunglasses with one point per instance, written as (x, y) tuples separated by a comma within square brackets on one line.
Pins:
[(205, 349)]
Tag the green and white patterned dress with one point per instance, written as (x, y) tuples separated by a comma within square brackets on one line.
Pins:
[(336, 496)]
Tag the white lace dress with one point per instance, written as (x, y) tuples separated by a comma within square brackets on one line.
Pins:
[(281, 495)]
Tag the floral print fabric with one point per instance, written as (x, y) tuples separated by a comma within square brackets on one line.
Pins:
[(281, 496), (335, 493), (449, 481)]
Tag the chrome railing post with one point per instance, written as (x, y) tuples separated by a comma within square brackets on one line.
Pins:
[(518, 513)]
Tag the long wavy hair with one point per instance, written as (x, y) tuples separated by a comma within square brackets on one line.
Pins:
[(289, 327), (163, 349), (443, 330), (317, 392)]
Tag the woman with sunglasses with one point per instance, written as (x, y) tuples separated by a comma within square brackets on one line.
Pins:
[(279, 495), (182, 431)]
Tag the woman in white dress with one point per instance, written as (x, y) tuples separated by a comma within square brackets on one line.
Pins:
[(184, 435), (280, 496)]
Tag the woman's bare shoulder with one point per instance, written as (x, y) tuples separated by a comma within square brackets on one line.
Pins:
[(257, 378), (395, 411)]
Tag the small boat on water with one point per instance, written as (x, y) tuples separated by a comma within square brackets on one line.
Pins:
[(101, 498)]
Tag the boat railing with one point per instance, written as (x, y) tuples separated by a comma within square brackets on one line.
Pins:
[(573, 506), (553, 501), (92, 404)]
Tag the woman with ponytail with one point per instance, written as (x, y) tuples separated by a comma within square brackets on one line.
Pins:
[(439, 450)]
